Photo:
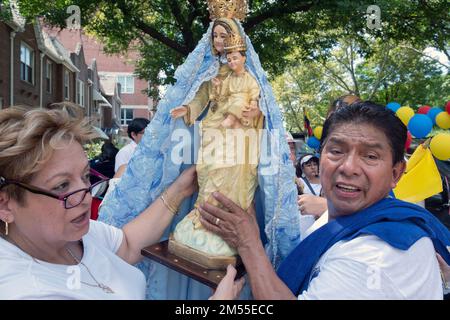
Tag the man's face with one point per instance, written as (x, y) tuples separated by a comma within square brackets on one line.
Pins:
[(356, 168)]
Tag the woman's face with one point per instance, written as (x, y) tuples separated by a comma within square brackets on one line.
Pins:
[(44, 219), (219, 35)]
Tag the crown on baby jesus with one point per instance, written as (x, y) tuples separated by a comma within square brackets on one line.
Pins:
[(233, 43), (227, 9)]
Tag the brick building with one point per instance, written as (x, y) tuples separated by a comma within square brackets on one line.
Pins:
[(114, 68)]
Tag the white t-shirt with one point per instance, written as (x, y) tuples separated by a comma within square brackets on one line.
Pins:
[(317, 187), (22, 277), (369, 268), (124, 155)]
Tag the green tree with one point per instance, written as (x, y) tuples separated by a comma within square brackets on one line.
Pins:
[(165, 31), (391, 72)]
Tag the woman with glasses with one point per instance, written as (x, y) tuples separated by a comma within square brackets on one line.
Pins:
[(49, 248)]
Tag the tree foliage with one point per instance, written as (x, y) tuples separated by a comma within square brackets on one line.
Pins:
[(392, 72), (165, 31)]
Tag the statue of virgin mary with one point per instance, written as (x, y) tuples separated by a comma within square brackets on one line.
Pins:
[(153, 166)]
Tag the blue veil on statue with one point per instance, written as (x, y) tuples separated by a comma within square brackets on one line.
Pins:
[(151, 170)]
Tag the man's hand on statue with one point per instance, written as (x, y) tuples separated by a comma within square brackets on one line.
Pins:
[(312, 205), (178, 112), (233, 224), (228, 288)]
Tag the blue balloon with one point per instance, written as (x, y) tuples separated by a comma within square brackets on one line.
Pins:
[(313, 142), (420, 125), (394, 106), (433, 112)]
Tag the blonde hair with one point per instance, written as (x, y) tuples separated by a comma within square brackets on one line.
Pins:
[(28, 139)]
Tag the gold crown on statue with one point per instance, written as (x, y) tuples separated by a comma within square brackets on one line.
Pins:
[(233, 43), (227, 9)]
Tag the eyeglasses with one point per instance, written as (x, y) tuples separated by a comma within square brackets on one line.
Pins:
[(70, 200)]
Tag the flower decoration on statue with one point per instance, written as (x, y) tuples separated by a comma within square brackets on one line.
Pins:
[(227, 9)]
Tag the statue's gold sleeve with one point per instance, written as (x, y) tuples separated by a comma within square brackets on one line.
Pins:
[(196, 106)]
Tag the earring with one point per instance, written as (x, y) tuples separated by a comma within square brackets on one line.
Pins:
[(6, 228)]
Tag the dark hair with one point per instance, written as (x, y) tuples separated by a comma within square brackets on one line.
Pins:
[(109, 152), (298, 167), (242, 52), (342, 101), (367, 112), (137, 125)]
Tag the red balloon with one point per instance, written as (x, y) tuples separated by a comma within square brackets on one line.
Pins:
[(408, 140), (447, 107), (423, 109)]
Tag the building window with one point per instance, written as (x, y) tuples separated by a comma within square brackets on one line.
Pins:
[(126, 84), (26, 63), (126, 116), (48, 76), (80, 92), (66, 84)]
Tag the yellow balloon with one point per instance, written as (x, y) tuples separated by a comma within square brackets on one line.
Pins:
[(443, 120), (440, 146), (405, 114), (318, 132)]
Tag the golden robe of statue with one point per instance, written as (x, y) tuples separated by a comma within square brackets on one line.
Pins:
[(227, 160)]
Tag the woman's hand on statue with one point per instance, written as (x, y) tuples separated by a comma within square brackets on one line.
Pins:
[(186, 184), (179, 112), (228, 288), (312, 205), (233, 224)]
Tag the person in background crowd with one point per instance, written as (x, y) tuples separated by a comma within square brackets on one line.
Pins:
[(135, 130), (307, 171), (105, 162)]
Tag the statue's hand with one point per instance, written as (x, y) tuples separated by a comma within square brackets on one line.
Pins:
[(178, 112)]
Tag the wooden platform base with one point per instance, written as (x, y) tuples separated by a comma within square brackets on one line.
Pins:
[(160, 253), (202, 259)]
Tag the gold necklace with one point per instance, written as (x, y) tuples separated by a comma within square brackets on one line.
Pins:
[(98, 285)]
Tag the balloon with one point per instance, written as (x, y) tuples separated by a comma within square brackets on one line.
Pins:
[(433, 113), (394, 106), (423, 109), (318, 132), (420, 125), (313, 142), (408, 140), (405, 114), (440, 146), (443, 120), (447, 107)]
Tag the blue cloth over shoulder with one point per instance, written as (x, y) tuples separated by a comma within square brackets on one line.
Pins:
[(396, 222)]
